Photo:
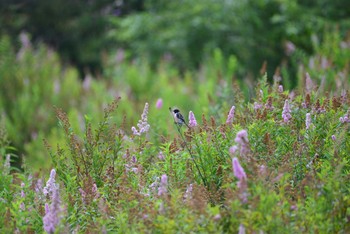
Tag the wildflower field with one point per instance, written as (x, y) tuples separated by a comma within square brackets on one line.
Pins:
[(103, 155)]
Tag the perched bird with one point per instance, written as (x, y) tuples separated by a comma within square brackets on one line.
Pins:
[(178, 117)]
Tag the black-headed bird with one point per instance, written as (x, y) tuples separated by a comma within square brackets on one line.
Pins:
[(178, 117)]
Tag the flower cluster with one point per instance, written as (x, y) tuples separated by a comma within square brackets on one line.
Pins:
[(89, 195), (257, 106), (242, 140), (50, 184), (188, 193), (240, 174), (238, 170), (309, 85), (286, 113), (53, 212), (345, 118), (192, 120), (308, 120), (280, 88), (162, 189), (143, 124), (132, 166), (231, 115)]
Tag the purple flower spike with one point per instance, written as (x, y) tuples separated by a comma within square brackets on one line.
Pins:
[(143, 124), (192, 120), (231, 115), (308, 120), (286, 112), (163, 185), (52, 216), (241, 229), (242, 140), (238, 169), (50, 184)]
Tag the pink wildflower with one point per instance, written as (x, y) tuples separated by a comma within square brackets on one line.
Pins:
[(257, 106), (242, 140), (241, 229), (308, 120), (308, 83), (162, 189), (192, 120), (188, 193), (280, 88), (161, 156), (50, 184), (159, 103), (238, 169), (242, 137), (52, 216), (231, 115), (142, 125), (345, 118), (289, 48), (217, 217), (233, 149), (286, 113)]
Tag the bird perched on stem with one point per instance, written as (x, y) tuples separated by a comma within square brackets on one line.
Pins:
[(178, 117)]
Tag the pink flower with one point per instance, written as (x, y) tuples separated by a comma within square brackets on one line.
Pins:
[(161, 156), (188, 193), (308, 120), (231, 115), (238, 169), (241, 229), (242, 137), (345, 118), (257, 106), (53, 216), (217, 217), (286, 112), (143, 124), (233, 149), (289, 48), (242, 140), (50, 184), (308, 82), (280, 88), (240, 174), (159, 103), (192, 120), (162, 189)]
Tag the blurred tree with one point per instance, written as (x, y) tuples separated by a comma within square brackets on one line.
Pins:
[(77, 29), (253, 30)]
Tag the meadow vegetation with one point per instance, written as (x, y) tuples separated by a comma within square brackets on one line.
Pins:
[(103, 155)]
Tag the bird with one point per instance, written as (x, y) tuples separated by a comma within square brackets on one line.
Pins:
[(178, 117)]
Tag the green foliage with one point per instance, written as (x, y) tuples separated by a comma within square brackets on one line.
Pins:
[(77, 30), (253, 30), (170, 179)]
